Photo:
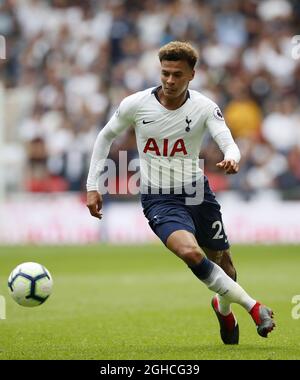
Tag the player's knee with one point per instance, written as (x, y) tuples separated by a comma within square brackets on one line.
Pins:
[(190, 254)]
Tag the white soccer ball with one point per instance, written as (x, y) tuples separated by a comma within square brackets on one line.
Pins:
[(30, 284)]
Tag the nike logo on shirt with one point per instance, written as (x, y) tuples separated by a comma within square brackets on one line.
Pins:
[(147, 122)]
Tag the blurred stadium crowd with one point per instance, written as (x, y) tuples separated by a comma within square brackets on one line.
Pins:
[(70, 63)]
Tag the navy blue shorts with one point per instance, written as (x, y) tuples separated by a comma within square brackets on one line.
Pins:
[(167, 213)]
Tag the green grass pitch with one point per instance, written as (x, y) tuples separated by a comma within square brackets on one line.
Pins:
[(141, 302)]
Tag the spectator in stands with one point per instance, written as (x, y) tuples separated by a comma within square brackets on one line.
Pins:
[(74, 61)]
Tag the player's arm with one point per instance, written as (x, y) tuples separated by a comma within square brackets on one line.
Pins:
[(222, 136), (122, 119), (230, 163), (100, 152)]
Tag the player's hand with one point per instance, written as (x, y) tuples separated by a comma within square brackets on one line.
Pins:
[(94, 203), (229, 166)]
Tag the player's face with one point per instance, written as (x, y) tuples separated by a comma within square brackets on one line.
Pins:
[(175, 77)]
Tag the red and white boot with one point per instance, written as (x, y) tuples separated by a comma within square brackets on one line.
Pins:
[(229, 328)]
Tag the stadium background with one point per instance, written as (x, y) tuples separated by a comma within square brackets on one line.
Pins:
[(68, 64)]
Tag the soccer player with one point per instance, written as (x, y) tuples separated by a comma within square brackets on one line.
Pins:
[(170, 121)]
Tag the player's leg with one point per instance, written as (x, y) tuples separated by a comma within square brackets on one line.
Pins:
[(184, 245), (229, 328), (173, 224), (212, 238), (223, 259)]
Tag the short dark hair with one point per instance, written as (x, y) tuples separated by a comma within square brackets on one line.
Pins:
[(178, 51)]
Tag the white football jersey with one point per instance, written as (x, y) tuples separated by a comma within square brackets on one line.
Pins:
[(168, 141)]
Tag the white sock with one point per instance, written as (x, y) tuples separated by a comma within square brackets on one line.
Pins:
[(229, 290), (224, 305)]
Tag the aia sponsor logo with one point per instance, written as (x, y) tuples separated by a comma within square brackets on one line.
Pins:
[(166, 149)]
